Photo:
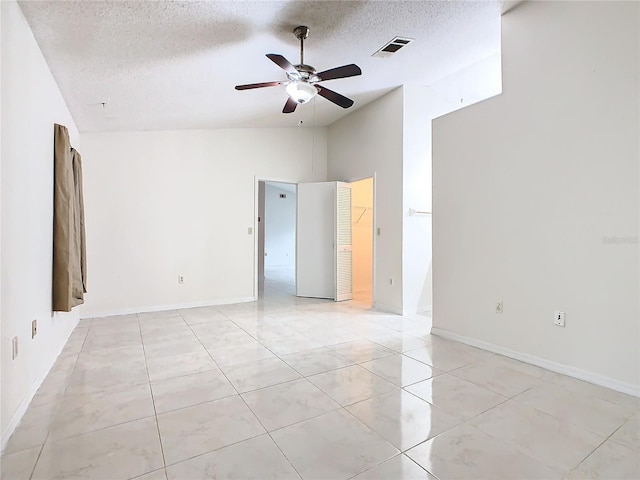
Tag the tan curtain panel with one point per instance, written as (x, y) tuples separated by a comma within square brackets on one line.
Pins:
[(69, 250)]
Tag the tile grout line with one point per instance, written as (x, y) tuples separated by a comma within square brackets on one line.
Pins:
[(217, 366), (607, 439), (246, 405), (340, 368), (512, 398), (401, 454), (462, 422), (288, 325), (33, 469), (568, 423), (58, 406), (209, 451), (376, 465), (153, 401), (76, 359), (341, 407), (400, 451), (416, 463)]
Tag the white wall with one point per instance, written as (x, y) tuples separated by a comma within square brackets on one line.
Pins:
[(530, 186), (421, 104), (367, 142), (471, 84), (392, 137), (280, 227), (31, 104), (163, 204)]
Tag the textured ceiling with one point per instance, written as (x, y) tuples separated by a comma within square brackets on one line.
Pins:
[(173, 65)]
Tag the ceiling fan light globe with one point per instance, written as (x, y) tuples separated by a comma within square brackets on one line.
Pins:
[(301, 92)]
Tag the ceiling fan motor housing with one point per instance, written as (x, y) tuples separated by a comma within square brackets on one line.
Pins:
[(305, 73)]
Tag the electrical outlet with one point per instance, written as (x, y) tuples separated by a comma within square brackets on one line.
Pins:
[(34, 328), (180, 279), (14, 348), (558, 318), (499, 307)]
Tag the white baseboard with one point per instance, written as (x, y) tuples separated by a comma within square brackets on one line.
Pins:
[(161, 308), (417, 310), (26, 401), (22, 409), (387, 309), (591, 377)]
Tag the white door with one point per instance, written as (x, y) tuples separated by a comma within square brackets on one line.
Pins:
[(343, 256), (315, 227), (323, 241)]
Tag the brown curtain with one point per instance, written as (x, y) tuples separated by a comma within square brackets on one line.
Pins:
[(69, 250)]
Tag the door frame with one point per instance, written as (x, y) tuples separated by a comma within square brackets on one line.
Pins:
[(373, 234), (256, 181), (256, 209)]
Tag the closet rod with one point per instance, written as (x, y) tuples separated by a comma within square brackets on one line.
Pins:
[(413, 211)]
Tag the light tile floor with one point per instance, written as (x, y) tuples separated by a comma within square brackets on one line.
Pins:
[(302, 388)]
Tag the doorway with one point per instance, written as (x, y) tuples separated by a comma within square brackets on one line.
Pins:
[(276, 260), (362, 239), (276, 237)]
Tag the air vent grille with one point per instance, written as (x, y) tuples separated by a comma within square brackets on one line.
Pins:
[(393, 46)]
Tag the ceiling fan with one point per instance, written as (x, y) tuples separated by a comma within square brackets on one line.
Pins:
[(302, 83)]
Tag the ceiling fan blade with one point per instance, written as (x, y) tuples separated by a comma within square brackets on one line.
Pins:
[(334, 97), (344, 71), (258, 85), (282, 62), (290, 106)]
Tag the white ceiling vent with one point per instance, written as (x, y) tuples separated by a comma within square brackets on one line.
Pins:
[(393, 47)]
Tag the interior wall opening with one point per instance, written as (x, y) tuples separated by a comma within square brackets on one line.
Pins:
[(362, 240), (276, 238)]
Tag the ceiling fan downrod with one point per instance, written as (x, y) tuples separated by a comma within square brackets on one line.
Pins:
[(301, 33)]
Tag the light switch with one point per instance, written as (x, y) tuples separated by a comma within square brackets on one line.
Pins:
[(250, 231), (378, 231)]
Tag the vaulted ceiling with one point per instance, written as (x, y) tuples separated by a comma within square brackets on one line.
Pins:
[(173, 65)]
